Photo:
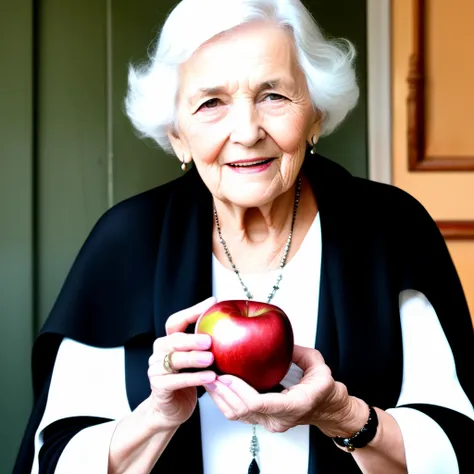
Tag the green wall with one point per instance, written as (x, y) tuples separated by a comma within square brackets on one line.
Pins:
[(67, 152), (347, 19), (16, 223)]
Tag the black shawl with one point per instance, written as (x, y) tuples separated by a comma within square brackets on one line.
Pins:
[(149, 257)]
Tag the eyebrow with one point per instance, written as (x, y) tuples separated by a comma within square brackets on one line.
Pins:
[(218, 90)]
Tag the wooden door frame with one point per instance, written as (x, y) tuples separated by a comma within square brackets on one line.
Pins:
[(379, 90), (379, 97)]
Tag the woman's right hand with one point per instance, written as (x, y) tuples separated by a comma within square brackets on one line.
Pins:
[(173, 393)]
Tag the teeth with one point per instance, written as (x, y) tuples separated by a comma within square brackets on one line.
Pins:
[(242, 165)]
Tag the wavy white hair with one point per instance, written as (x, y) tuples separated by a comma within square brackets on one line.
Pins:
[(327, 64)]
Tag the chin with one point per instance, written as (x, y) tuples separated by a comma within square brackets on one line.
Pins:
[(251, 200), (252, 194)]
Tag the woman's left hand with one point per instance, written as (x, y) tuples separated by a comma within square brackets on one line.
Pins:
[(316, 400)]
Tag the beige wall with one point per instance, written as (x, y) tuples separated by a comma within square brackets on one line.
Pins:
[(450, 116), (450, 67)]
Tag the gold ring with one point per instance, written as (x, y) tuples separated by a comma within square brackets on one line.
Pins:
[(168, 365)]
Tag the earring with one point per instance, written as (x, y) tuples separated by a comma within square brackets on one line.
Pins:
[(184, 166), (313, 142)]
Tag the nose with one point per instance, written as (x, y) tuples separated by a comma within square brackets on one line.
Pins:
[(246, 126)]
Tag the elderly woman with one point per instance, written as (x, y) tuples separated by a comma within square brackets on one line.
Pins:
[(380, 380)]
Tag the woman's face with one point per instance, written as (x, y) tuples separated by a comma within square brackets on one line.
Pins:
[(245, 115)]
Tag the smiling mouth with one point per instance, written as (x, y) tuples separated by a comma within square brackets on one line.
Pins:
[(251, 164)]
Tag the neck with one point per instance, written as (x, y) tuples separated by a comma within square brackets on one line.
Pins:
[(256, 238), (255, 225)]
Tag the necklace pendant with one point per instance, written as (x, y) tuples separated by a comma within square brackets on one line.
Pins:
[(253, 468)]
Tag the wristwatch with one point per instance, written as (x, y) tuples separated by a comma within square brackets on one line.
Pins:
[(362, 437)]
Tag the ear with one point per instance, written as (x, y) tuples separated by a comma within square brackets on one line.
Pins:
[(180, 146), (315, 130)]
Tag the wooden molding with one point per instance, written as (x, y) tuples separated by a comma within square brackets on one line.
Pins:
[(416, 105), (457, 230)]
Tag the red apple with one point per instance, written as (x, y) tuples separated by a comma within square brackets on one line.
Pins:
[(250, 339)]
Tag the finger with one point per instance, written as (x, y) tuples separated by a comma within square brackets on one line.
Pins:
[(306, 358), (229, 402), (272, 404), (259, 404), (172, 382), (237, 409), (239, 386), (220, 402), (182, 360), (179, 342), (249, 396), (178, 322)]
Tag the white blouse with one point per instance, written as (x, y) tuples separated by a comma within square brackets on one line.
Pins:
[(91, 381)]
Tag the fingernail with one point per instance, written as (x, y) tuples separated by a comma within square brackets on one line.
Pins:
[(208, 377), (225, 380), (210, 386), (203, 340), (205, 358)]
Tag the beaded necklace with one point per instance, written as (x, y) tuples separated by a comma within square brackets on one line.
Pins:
[(254, 447)]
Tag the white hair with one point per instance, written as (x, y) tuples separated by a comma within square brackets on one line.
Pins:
[(153, 87)]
